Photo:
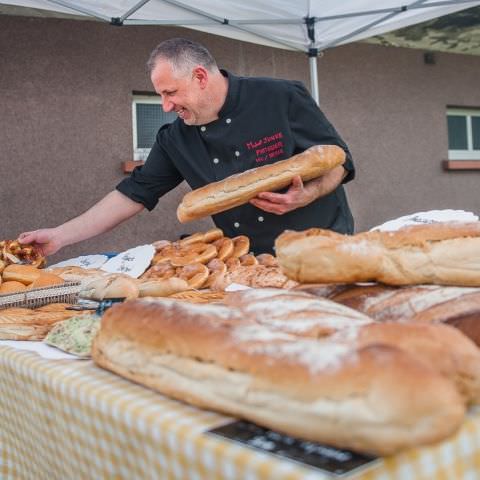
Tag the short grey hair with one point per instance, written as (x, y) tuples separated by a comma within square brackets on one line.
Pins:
[(182, 54)]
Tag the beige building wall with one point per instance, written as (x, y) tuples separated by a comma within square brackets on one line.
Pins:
[(65, 122)]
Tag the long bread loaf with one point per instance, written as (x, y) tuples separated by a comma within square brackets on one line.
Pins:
[(445, 254), (240, 188), (456, 306), (374, 398)]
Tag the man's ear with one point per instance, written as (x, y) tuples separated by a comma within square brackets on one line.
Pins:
[(200, 74)]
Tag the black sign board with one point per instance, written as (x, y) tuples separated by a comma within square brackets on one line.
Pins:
[(331, 460)]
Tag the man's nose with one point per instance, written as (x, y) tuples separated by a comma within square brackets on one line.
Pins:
[(167, 106)]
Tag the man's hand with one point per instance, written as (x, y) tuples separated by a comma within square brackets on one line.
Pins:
[(45, 240), (112, 210), (299, 194), (279, 203)]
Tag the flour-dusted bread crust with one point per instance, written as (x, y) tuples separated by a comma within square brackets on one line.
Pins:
[(374, 398), (456, 306), (447, 254), (293, 312), (240, 188), (441, 347)]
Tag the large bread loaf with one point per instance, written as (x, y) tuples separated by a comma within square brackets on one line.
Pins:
[(374, 398), (456, 306), (295, 312), (240, 188), (447, 254), (441, 347)]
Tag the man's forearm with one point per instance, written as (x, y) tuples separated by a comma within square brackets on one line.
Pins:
[(109, 212), (321, 186)]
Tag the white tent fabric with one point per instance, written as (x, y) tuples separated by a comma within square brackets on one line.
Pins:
[(308, 26)]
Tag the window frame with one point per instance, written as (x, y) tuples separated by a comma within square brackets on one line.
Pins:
[(470, 153), (141, 153)]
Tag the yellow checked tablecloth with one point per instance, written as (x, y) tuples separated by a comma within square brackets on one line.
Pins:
[(68, 420)]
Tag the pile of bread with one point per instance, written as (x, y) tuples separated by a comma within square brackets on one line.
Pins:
[(212, 260), (16, 278), (206, 261), (32, 324), (300, 364), (20, 268), (388, 374), (12, 251)]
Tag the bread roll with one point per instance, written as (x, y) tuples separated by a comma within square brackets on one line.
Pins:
[(72, 273), (47, 280), (376, 399), (25, 274), (111, 286), (11, 286), (447, 254), (257, 276), (162, 288), (240, 188)]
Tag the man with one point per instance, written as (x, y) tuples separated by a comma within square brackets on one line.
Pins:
[(226, 124)]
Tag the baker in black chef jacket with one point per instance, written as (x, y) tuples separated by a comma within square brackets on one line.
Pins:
[(226, 124)]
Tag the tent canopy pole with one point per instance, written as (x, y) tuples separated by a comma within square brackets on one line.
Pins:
[(314, 77), (312, 58)]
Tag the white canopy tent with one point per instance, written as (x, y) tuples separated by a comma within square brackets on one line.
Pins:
[(309, 26)]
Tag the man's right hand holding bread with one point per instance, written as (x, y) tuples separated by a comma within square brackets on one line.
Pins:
[(299, 193)]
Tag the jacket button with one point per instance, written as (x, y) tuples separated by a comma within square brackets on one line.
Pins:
[(260, 219), (203, 128), (228, 120), (237, 153), (236, 224), (216, 160)]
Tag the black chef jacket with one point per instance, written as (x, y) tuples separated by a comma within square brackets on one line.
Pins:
[(262, 121)]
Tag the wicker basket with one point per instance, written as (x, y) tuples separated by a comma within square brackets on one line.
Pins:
[(37, 297)]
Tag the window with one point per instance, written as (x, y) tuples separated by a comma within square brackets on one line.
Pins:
[(463, 134), (147, 117)]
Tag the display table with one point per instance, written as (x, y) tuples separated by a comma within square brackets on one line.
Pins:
[(68, 419)]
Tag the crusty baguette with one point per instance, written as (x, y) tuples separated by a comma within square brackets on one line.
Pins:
[(293, 312), (375, 399), (442, 347), (447, 253), (240, 188), (162, 288), (33, 325), (456, 306), (13, 331), (34, 318), (111, 286)]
